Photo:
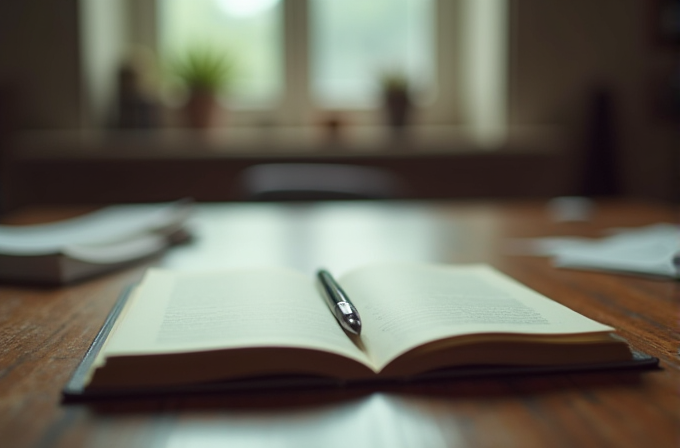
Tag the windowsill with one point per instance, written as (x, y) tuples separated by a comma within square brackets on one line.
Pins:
[(434, 162), (280, 142)]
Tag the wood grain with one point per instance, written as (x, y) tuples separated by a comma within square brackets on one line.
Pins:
[(45, 332)]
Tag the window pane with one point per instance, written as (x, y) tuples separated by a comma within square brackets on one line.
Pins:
[(355, 42), (248, 31)]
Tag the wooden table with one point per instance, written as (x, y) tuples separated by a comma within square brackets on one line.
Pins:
[(45, 332)]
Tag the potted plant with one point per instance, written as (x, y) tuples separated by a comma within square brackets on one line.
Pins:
[(396, 99), (203, 73)]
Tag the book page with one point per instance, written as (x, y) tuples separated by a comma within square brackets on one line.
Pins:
[(184, 311), (404, 306)]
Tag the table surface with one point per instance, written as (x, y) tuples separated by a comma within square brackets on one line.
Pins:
[(44, 333)]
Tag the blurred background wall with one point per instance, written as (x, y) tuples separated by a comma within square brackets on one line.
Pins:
[(40, 61), (563, 51)]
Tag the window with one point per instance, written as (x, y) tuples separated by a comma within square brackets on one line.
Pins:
[(246, 32), (298, 59), (356, 42)]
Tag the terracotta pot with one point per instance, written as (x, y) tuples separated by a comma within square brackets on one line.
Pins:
[(201, 109)]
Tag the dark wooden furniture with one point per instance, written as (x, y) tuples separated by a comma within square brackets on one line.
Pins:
[(45, 332)]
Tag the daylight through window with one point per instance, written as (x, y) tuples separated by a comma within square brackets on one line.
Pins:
[(352, 46)]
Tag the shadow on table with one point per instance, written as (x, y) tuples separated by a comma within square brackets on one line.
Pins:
[(484, 389)]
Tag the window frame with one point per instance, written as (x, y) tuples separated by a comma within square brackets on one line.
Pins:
[(471, 48)]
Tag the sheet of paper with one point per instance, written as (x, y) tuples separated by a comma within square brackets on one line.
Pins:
[(652, 250), (648, 251)]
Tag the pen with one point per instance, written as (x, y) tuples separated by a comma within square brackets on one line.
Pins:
[(337, 300)]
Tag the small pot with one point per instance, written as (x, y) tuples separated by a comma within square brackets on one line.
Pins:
[(201, 109), (397, 105)]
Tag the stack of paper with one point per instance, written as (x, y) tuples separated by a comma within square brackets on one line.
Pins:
[(73, 249), (653, 250)]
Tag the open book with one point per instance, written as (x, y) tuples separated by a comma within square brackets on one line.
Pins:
[(184, 328)]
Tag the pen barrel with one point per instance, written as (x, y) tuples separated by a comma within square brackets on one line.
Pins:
[(340, 305), (332, 290)]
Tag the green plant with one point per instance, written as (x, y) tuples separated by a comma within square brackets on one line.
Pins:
[(394, 82), (396, 99), (204, 69)]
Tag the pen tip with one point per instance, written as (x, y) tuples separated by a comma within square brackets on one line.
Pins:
[(355, 325)]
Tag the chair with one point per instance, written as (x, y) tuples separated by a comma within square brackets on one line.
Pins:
[(317, 181)]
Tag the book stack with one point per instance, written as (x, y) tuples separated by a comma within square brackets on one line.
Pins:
[(91, 244)]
